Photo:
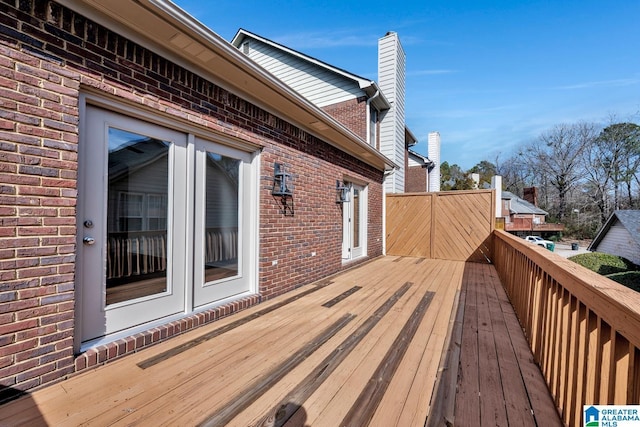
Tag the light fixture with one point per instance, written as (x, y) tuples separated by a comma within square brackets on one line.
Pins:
[(342, 192), (282, 188)]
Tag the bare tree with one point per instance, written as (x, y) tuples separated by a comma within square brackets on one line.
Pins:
[(582, 171), (515, 173), (556, 159), (598, 176)]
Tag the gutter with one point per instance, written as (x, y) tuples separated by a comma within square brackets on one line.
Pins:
[(169, 31), (369, 100)]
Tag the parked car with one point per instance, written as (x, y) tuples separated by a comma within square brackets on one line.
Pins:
[(537, 240)]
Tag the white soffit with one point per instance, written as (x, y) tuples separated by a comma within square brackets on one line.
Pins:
[(166, 29)]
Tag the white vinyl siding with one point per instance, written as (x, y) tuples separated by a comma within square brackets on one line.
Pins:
[(619, 242), (434, 155), (320, 86), (413, 162), (391, 76)]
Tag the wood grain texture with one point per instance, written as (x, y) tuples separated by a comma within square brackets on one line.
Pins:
[(367, 402), (278, 359), (498, 380), (453, 225), (284, 410), (584, 329)]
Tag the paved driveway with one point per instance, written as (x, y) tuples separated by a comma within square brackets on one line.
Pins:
[(565, 250)]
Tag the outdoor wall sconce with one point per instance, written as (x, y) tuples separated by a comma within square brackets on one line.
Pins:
[(342, 192), (282, 188)]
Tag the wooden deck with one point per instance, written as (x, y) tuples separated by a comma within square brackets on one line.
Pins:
[(497, 382), (362, 348)]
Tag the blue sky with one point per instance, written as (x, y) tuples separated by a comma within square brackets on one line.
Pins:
[(490, 76)]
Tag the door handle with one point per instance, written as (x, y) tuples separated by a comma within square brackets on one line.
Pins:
[(88, 241)]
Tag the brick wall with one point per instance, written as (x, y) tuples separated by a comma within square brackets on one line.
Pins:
[(48, 55), (352, 114), (415, 179)]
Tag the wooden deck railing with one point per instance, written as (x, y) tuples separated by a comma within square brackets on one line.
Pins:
[(527, 224), (145, 252), (583, 329)]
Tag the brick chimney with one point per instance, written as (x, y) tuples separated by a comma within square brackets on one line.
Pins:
[(530, 194)]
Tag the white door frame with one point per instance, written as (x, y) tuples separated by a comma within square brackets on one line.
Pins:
[(349, 250), (206, 292), (183, 182), (98, 318)]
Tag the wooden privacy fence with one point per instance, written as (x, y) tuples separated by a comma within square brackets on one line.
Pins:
[(453, 225), (584, 329)]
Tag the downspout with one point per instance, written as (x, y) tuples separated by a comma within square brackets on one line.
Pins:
[(384, 210), (375, 95)]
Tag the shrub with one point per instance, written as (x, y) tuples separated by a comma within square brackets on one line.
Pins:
[(630, 279), (604, 264)]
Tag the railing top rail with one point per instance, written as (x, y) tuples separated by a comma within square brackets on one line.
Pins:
[(440, 193), (616, 304)]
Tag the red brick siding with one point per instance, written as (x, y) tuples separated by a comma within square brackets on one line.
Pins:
[(415, 180), (352, 114), (48, 54)]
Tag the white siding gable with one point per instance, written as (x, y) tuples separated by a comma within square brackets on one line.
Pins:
[(619, 242), (317, 84), (413, 162)]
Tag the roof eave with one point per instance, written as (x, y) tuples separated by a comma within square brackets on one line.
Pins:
[(603, 231), (370, 87), (163, 27), (409, 137)]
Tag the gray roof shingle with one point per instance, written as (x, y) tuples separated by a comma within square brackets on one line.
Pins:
[(521, 206)]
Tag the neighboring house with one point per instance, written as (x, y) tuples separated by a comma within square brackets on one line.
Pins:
[(522, 216), (140, 158), (417, 172), (373, 111), (620, 236)]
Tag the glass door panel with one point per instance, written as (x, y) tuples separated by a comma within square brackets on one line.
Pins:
[(221, 248), (354, 235), (355, 218), (137, 211), (131, 212), (221, 217)]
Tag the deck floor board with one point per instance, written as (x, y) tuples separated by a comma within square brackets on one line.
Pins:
[(267, 367), (498, 381)]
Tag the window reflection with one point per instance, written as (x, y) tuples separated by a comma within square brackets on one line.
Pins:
[(221, 217), (356, 218), (137, 208)]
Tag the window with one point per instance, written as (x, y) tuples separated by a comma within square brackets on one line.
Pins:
[(373, 126), (156, 212), (130, 212)]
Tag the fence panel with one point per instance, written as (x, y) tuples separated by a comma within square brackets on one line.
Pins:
[(453, 225), (408, 225)]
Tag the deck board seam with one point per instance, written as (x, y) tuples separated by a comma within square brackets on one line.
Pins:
[(314, 379), (253, 391), (363, 410), (341, 297), (174, 351)]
